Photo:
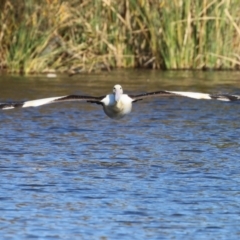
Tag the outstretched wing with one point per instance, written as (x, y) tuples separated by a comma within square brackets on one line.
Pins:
[(44, 101), (196, 95)]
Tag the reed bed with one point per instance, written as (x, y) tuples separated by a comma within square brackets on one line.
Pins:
[(88, 35)]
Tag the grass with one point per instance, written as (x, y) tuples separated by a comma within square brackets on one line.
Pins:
[(74, 36)]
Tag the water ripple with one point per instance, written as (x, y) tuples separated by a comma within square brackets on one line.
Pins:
[(169, 172)]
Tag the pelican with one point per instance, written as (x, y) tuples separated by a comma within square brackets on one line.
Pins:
[(116, 104)]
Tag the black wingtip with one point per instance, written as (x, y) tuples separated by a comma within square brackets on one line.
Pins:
[(226, 97), (10, 105)]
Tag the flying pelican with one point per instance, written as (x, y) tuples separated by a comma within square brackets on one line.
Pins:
[(117, 104)]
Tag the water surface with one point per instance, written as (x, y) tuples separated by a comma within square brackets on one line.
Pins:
[(169, 170)]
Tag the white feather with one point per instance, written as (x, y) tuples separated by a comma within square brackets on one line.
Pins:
[(195, 95), (39, 102), (7, 108)]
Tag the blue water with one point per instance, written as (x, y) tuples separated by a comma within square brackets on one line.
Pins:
[(169, 170)]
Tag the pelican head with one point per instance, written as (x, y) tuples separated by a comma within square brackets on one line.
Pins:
[(117, 91)]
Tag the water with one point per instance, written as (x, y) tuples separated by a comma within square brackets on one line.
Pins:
[(169, 170)]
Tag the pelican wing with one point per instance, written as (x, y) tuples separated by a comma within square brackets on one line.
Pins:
[(195, 95), (44, 101)]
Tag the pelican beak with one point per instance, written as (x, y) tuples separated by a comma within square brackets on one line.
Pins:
[(117, 95)]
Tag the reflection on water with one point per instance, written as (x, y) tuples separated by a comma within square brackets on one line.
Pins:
[(169, 170)]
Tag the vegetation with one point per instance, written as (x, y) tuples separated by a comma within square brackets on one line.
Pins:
[(85, 35)]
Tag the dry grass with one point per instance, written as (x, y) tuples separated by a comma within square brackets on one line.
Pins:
[(74, 36)]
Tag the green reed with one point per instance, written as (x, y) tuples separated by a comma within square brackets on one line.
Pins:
[(74, 36)]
